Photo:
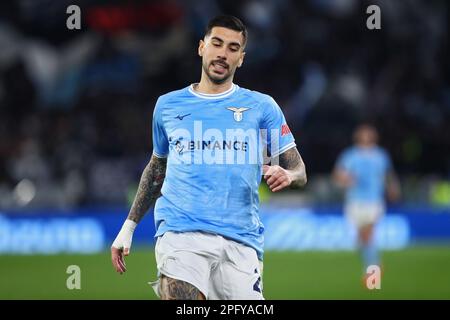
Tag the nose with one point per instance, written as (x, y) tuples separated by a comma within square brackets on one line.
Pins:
[(222, 54), (223, 58)]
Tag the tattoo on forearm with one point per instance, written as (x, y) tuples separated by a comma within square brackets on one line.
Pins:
[(292, 161), (149, 188), (172, 289)]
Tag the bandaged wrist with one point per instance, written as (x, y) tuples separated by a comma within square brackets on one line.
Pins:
[(125, 236), (129, 225)]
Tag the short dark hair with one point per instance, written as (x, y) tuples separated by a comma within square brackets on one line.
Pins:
[(229, 22)]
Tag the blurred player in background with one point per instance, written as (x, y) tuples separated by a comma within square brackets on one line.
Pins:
[(365, 171), (209, 236)]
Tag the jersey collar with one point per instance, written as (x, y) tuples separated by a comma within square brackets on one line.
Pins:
[(213, 95)]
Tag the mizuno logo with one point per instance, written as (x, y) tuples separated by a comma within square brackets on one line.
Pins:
[(182, 117)]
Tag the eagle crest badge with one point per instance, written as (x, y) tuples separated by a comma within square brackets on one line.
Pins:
[(237, 113)]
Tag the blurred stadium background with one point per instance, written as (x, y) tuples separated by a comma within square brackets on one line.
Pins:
[(75, 117)]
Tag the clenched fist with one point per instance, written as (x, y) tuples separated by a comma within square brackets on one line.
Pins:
[(276, 177)]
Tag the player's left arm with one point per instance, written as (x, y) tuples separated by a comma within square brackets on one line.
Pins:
[(291, 171), (393, 186)]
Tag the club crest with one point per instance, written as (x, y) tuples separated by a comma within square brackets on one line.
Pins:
[(237, 113)]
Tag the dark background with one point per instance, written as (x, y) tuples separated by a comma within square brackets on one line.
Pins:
[(76, 105)]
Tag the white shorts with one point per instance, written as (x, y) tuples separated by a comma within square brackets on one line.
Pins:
[(364, 213), (220, 268)]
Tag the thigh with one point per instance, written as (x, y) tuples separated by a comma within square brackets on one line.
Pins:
[(238, 276), (184, 258), (173, 289), (362, 214)]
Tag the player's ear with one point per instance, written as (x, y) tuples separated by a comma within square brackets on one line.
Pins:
[(201, 46), (241, 59)]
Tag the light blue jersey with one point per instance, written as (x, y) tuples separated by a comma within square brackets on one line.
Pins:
[(215, 146), (368, 168)]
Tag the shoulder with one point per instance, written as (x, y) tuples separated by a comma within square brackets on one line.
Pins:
[(171, 96), (259, 97), (381, 151), (383, 154), (265, 104), (348, 153)]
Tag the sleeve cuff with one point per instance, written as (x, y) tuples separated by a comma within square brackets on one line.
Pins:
[(159, 155), (285, 148)]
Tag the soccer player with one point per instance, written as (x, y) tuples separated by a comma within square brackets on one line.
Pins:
[(366, 171), (208, 142)]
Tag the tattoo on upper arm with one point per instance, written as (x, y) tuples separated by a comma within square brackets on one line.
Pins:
[(149, 188), (172, 289), (291, 160)]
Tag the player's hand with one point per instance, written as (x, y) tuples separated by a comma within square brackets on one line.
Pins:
[(121, 246), (276, 177), (343, 178), (117, 260)]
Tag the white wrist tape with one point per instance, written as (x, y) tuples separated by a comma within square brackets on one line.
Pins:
[(125, 236)]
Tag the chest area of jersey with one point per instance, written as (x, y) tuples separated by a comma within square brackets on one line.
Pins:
[(221, 117), (368, 165), (224, 133)]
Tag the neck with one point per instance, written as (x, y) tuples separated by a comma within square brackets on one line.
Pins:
[(209, 87), (366, 146)]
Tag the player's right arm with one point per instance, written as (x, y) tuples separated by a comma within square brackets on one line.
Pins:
[(393, 186), (341, 174), (342, 177), (148, 191), (149, 188)]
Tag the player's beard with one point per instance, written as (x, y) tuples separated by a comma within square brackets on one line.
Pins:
[(217, 79)]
